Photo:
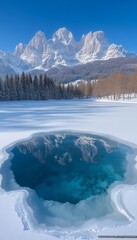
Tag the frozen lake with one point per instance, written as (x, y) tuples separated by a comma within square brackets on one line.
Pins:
[(19, 120)]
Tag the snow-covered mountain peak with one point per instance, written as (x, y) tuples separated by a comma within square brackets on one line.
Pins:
[(115, 51), (95, 39), (63, 35), (19, 49), (89, 35), (40, 34), (21, 45), (38, 41), (32, 53), (62, 49), (99, 34), (94, 47)]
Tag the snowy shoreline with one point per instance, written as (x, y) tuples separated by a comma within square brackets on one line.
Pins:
[(15, 135)]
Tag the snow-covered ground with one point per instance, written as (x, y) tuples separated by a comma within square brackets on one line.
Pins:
[(19, 120), (126, 99)]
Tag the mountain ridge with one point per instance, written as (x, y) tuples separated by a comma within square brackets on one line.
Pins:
[(61, 50)]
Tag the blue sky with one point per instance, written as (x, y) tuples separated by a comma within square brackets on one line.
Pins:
[(21, 19)]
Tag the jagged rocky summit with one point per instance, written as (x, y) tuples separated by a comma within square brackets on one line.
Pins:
[(61, 50)]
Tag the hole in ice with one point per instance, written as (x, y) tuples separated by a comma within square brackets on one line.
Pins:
[(68, 167), (67, 176)]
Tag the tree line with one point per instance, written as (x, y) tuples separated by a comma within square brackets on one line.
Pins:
[(118, 85), (26, 87)]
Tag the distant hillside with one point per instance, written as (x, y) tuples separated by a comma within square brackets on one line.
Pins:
[(93, 70)]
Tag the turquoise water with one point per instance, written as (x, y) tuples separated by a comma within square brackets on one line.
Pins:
[(68, 167)]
